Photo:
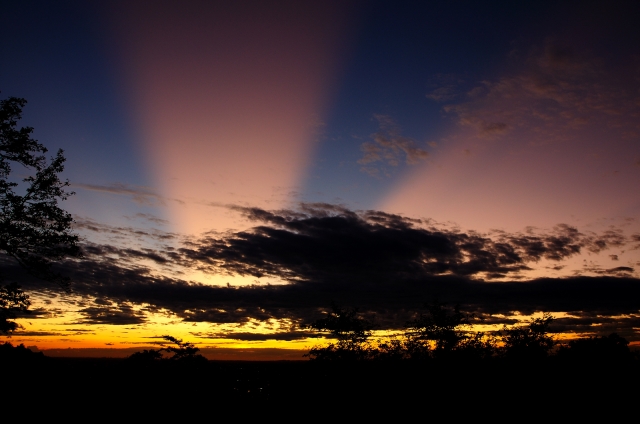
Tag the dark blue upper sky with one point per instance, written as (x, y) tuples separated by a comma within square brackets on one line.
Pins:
[(403, 71)]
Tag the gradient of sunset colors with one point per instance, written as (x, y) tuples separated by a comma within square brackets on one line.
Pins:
[(181, 120), (228, 98)]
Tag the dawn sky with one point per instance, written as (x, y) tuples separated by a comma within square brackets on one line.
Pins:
[(240, 165)]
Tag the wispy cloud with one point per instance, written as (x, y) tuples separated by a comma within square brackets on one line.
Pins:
[(143, 195), (121, 232), (389, 148), (559, 88), (150, 218)]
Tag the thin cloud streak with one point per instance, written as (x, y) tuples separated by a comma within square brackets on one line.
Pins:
[(142, 195)]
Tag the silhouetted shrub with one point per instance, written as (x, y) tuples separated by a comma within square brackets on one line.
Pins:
[(443, 333), (528, 342), (597, 349), (146, 356), (9, 353), (352, 332)]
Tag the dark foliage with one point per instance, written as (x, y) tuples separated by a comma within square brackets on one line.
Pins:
[(146, 356), (440, 333), (179, 352), (10, 353), (12, 300), (597, 349), (443, 333), (529, 342), (34, 230), (352, 332), (182, 351)]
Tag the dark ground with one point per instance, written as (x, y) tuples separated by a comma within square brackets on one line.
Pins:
[(117, 384)]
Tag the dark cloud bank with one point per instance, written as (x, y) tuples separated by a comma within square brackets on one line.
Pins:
[(387, 265)]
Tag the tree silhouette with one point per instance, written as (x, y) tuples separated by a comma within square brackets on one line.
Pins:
[(597, 349), (182, 352), (12, 300), (352, 332), (10, 354), (146, 356), (34, 230), (444, 333), (439, 333), (530, 341)]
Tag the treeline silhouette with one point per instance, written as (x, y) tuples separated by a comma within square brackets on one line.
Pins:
[(441, 333), (436, 359)]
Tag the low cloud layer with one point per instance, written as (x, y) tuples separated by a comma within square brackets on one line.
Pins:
[(387, 265), (322, 243)]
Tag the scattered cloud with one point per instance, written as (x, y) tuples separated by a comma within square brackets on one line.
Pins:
[(323, 242), (443, 94), (444, 88), (121, 314), (387, 265), (557, 89), (389, 148), (620, 271)]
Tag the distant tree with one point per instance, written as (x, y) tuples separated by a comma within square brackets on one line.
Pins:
[(445, 333), (352, 332), (392, 349), (530, 342), (597, 349), (182, 352), (440, 326), (10, 354), (34, 230), (477, 346), (441, 333), (146, 356)]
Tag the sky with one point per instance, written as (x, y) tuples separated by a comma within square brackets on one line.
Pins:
[(240, 165)]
